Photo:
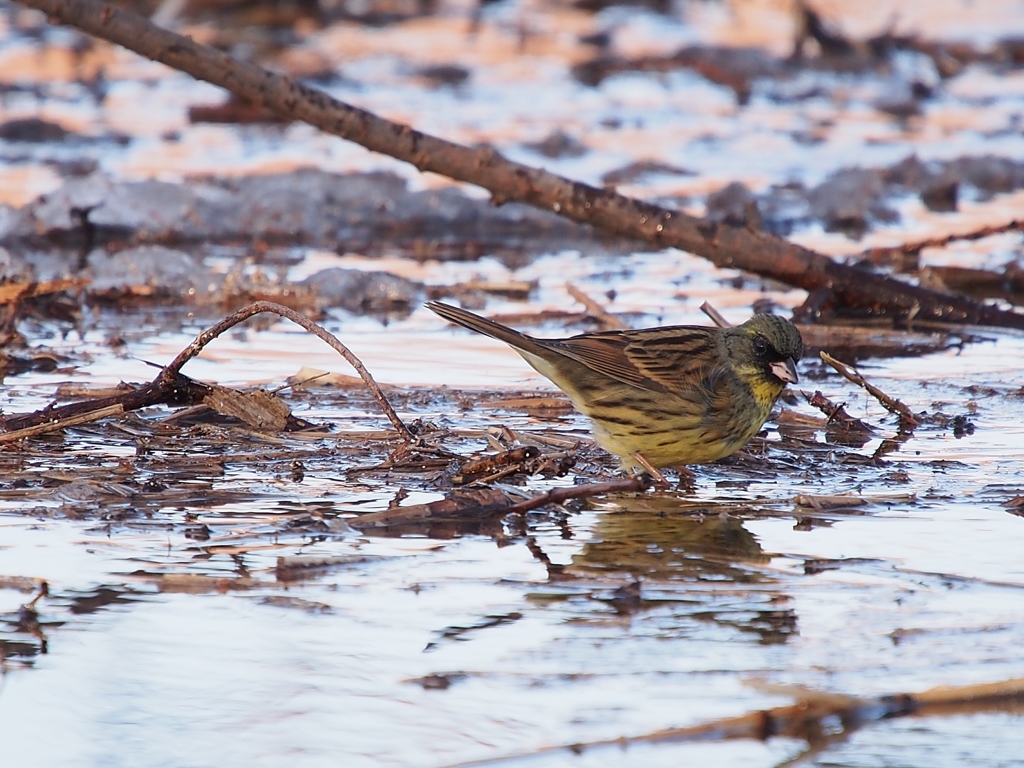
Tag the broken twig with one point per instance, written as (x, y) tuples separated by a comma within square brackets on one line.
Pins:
[(837, 415), (558, 495), (715, 315), (907, 419)]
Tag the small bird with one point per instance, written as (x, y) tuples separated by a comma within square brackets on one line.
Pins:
[(662, 397)]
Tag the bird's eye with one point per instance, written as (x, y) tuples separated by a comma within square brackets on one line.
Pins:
[(760, 346)]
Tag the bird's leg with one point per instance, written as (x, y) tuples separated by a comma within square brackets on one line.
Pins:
[(687, 480), (659, 479)]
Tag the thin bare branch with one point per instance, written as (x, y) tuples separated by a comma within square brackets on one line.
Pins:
[(907, 419), (914, 248), (837, 415)]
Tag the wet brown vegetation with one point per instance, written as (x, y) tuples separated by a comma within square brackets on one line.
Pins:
[(484, 480), (503, 466)]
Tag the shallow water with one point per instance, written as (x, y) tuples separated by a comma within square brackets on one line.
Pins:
[(171, 638)]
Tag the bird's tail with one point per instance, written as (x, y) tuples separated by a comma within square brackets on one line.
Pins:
[(467, 319)]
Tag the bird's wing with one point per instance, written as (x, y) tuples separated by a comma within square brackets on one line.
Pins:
[(670, 359)]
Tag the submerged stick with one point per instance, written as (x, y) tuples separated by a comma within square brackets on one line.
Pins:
[(724, 245), (558, 495), (814, 718), (475, 503)]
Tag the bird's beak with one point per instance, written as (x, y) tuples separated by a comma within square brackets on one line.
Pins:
[(785, 370)]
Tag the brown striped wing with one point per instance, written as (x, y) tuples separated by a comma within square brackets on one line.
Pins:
[(670, 359)]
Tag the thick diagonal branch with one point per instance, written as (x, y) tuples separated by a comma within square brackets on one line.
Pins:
[(726, 246)]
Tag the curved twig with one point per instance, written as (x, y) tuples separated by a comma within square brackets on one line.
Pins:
[(170, 371)]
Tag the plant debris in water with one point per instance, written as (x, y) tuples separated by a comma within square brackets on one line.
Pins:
[(376, 521)]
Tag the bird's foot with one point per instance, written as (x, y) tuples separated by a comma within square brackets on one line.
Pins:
[(659, 479), (687, 480)]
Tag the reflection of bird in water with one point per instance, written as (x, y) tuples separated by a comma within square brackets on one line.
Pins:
[(652, 540), (647, 542)]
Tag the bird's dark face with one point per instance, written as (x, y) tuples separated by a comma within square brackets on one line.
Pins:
[(765, 350)]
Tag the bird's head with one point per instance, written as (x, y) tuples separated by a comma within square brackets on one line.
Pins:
[(764, 351)]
